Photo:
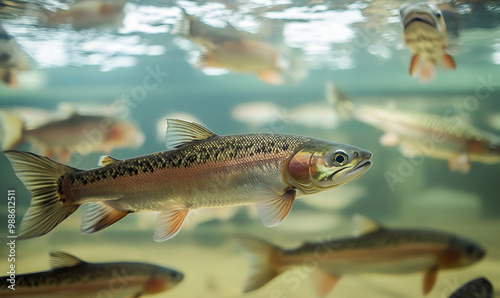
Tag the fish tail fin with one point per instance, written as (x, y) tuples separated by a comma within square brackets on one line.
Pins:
[(40, 175), (335, 97), (13, 130), (262, 256)]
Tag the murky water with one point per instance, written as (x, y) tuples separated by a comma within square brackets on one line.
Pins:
[(248, 67)]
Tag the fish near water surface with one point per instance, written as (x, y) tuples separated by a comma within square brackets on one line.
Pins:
[(241, 52), (199, 170), (75, 133), (375, 249), (424, 32), (422, 134), (477, 288), (72, 277)]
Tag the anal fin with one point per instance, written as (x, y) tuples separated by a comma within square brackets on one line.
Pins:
[(170, 220), (430, 277), (99, 216), (325, 282), (273, 211)]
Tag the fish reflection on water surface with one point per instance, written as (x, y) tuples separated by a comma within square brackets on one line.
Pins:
[(72, 277), (198, 170), (376, 249)]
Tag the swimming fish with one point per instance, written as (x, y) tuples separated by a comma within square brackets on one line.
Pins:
[(424, 32), (199, 170), (12, 59), (86, 14), (72, 277), (240, 52), (376, 249), (422, 134), (75, 133), (477, 288)]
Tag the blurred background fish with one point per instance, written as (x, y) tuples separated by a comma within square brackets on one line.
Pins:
[(241, 52), (375, 249), (12, 60), (424, 32), (85, 14), (72, 277), (421, 134), (61, 137)]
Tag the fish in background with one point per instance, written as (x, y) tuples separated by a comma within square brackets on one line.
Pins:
[(424, 32), (477, 288), (241, 52), (72, 277), (85, 14), (422, 134), (199, 170), (12, 60), (375, 249), (259, 114), (73, 134)]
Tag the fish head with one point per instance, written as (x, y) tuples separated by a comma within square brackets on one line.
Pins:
[(460, 253), (422, 13), (125, 134), (161, 280), (321, 165)]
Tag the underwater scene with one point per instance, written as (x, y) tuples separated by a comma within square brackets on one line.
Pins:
[(266, 148)]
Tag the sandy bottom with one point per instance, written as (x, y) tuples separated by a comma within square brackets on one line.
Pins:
[(214, 266)]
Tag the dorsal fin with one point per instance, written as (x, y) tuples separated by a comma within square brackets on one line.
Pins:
[(181, 133), (364, 225), (59, 259), (106, 160)]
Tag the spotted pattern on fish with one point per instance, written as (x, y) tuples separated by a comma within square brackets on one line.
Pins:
[(217, 148), (379, 239)]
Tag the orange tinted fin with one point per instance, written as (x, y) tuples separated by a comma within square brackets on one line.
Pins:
[(263, 265), (460, 162), (414, 66), (449, 62), (389, 139), (99, 216), (273, 211), (270, 76), (430, 277), (13, 80), (155, 285), (325, 282), (208, 60), (170, 220), (428, 72)]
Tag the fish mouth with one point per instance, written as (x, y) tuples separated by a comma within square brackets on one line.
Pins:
[(419, 17), (355, 172)]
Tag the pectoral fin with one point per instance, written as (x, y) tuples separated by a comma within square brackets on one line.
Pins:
[(389, 139), (460, 162), (414, 66), (99, 216), (270, 76), (273, 211), (169, 221), (325, 282), (430, 277), (449, 62)]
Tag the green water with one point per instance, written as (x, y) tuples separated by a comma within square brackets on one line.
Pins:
[(358, 46)]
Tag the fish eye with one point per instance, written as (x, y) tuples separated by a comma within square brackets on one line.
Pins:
[(438, 15), (340, 157)]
